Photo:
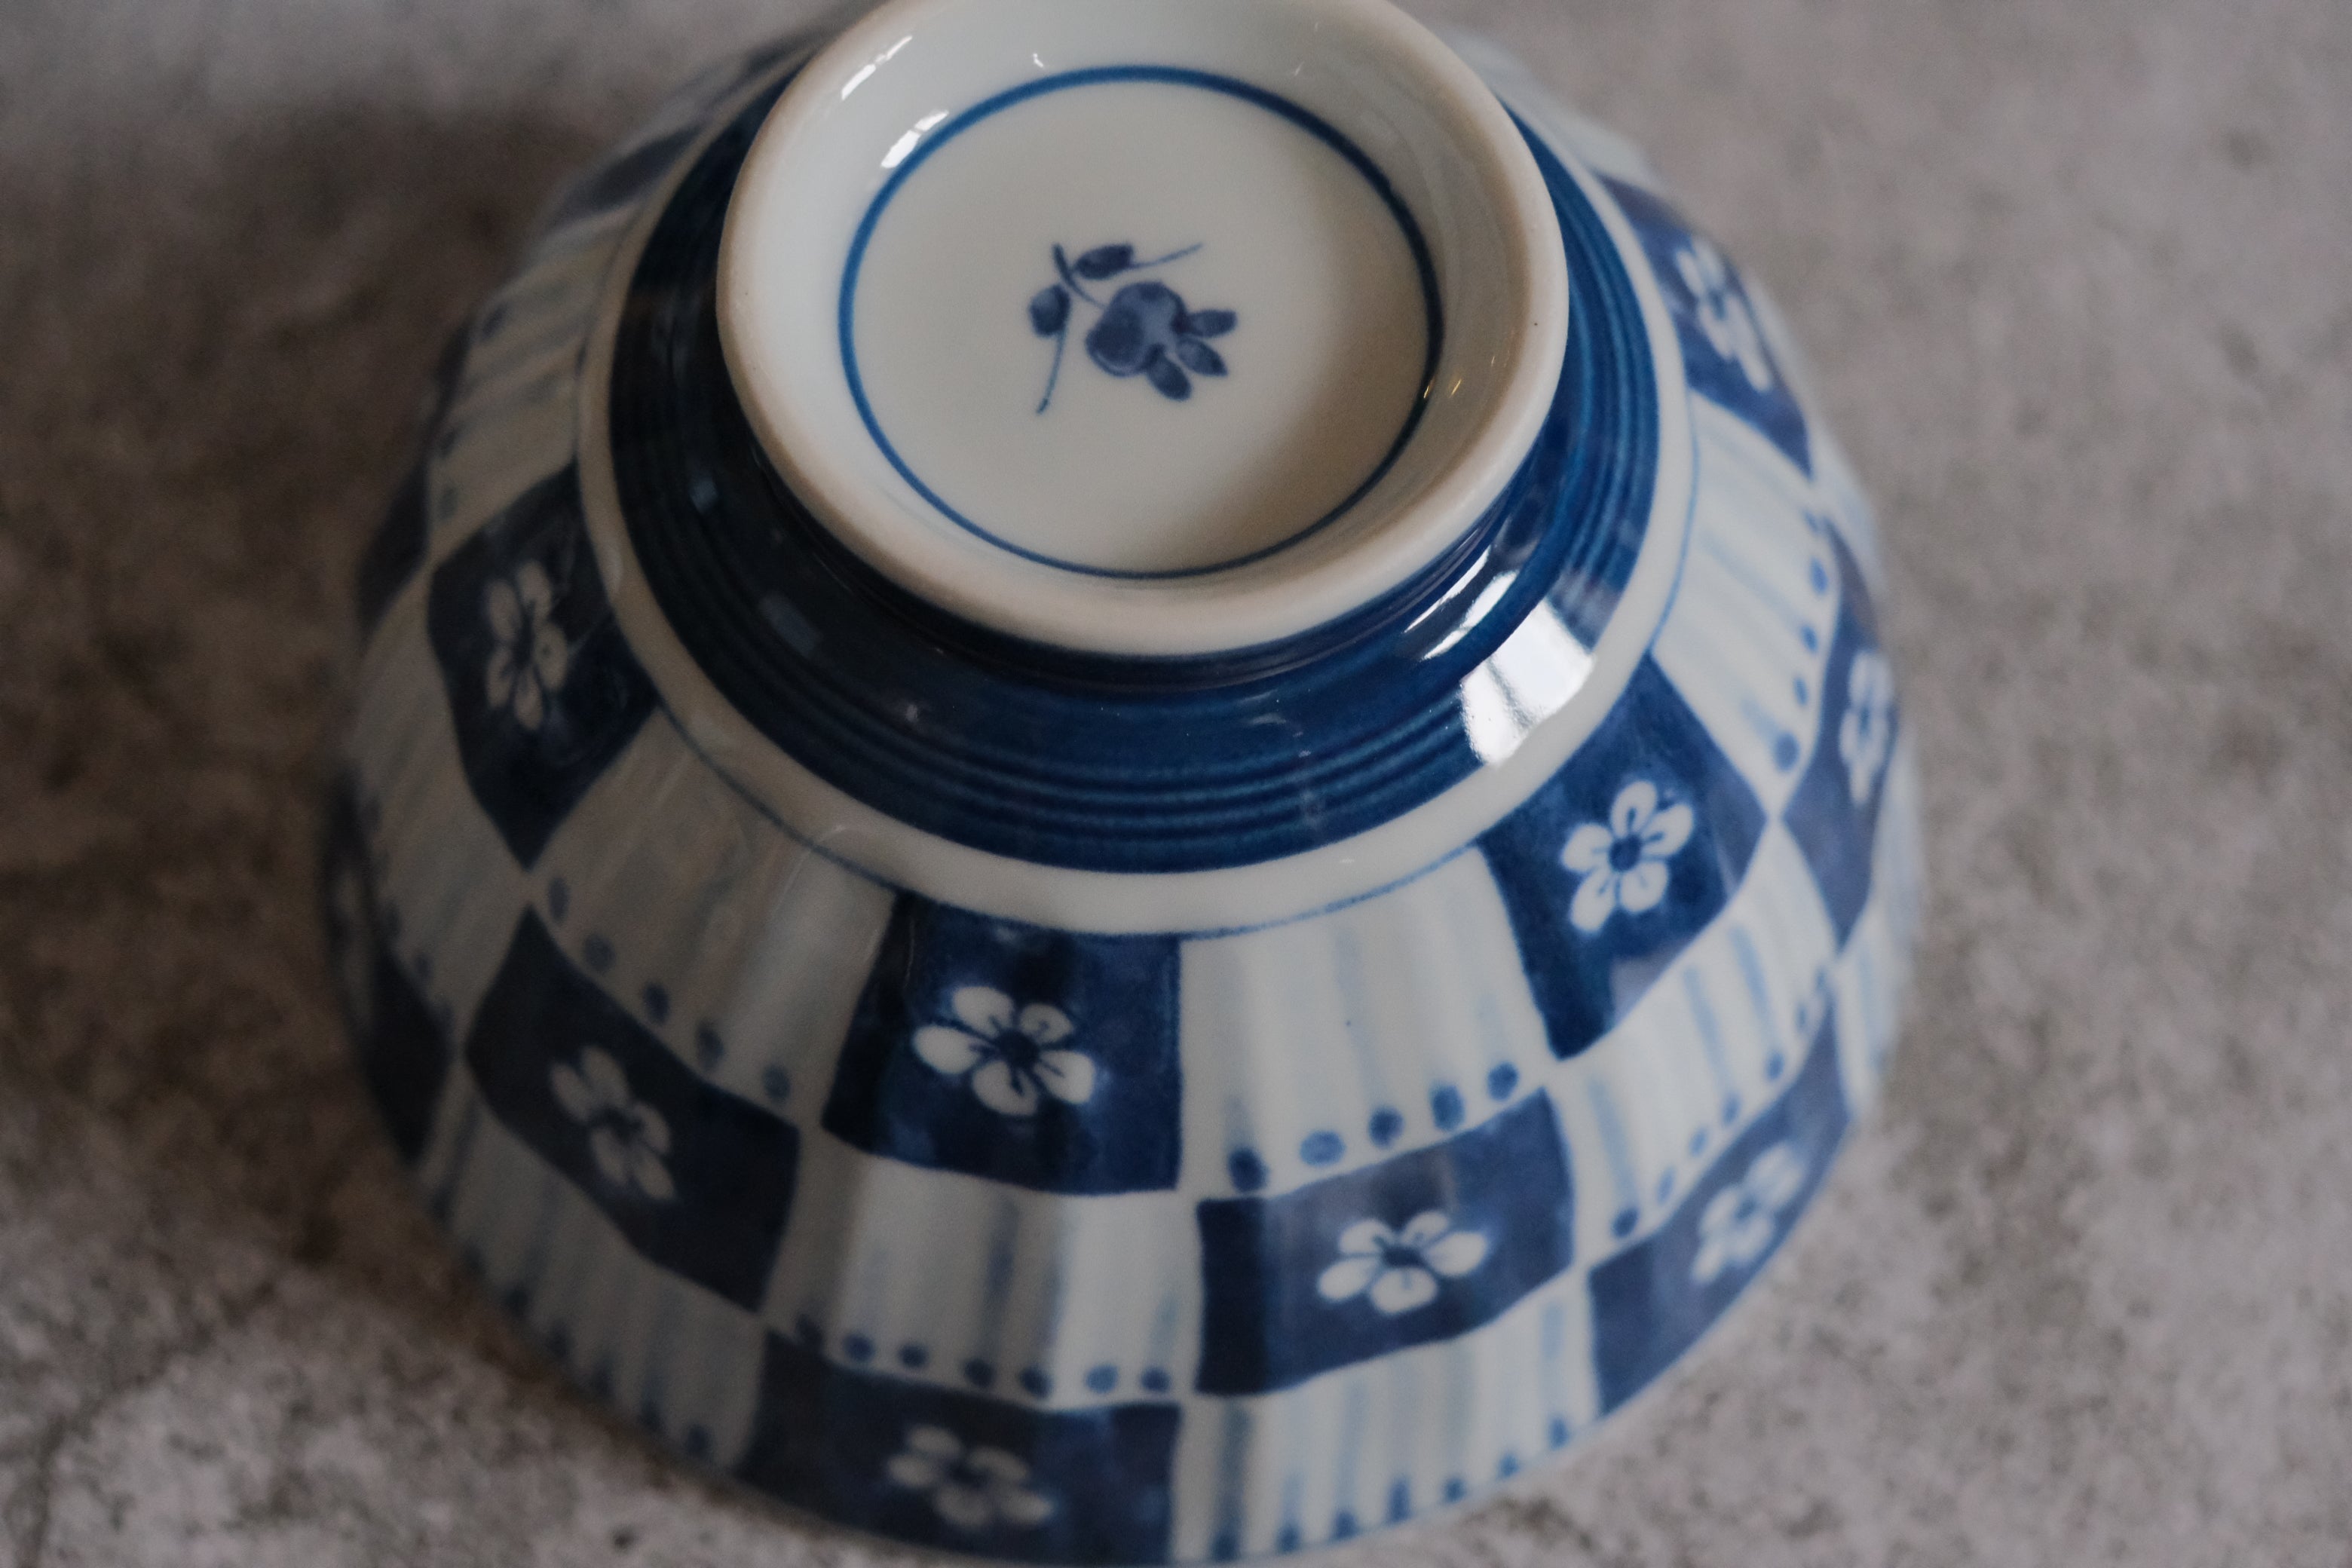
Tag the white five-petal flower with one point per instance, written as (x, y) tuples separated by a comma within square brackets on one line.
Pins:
[(1399, 1270), (1621, 863), (1738, 1225), (1014, 1056), (971, 1489), (627, 1138), (1723, 313), (1866, 734), (531, 657)]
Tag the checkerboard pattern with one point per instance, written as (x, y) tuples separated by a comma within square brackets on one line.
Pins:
[(1066, 1248)]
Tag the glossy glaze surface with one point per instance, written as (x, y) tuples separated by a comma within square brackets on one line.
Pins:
[(1083, 1107), (1325, 168)]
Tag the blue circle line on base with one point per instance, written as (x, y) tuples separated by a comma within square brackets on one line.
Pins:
[(1177, 76)]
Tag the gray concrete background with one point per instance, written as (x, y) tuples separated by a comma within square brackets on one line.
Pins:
[(2076, 278)]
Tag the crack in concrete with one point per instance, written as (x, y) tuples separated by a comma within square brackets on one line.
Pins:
[(50, 1447)]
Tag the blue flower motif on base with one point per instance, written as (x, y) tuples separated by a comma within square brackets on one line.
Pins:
[(697, 1180), (1651, 1302), (1723, 347), (1423, 1246), (1833, 814), (1008, 1051), (960, 1471), (1146, 329), (1615, 864), (543, 689)]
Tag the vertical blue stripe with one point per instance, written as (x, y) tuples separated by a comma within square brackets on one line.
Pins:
[(873, 1289), (1874, 1018), (1163, 1331), (531, 1267), (1404, 1431), (1232, 1483), (653, 1396), (1749, 578), (461, 1156), (1461, 1378), (1555, 1345), (1784, 743), (1621, 1159), (1347, 962), (1710, 1037), (1002, 1240), (1351, 1456), (1751, 969), (1003, 1237)]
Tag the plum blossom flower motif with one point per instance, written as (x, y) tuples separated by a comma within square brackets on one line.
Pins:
[(1145, 329), (1866, 734), (1621, 863), (1723, 311), (1399, 1270), (1739, 1224), (527, 665), (1013, 1057), (628, 1138), (971, 1489)]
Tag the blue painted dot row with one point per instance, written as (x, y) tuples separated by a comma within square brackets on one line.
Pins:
[(1817, 574), (980, 1373), (709, 1050), (1622, 1224), (1248, 1169), (1786, 749)]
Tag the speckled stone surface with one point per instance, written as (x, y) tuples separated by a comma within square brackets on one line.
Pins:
[(2074, 276)]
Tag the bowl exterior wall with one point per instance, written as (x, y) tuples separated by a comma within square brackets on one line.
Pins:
[(1159, 1245)]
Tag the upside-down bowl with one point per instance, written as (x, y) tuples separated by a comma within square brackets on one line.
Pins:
[(1122, 787)]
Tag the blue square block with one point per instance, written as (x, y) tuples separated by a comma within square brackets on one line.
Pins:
[(1026, 1056), (543, 689), (1424, 1246), (1724, 349), (1651, 1302), (959, 1471), (1833, 814), (1615, 864), (402, 1052), (697, 1180)]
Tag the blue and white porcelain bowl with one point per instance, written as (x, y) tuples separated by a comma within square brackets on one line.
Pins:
[(1122, 789)]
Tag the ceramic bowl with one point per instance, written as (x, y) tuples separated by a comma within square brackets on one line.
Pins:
[(1122, 788)]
